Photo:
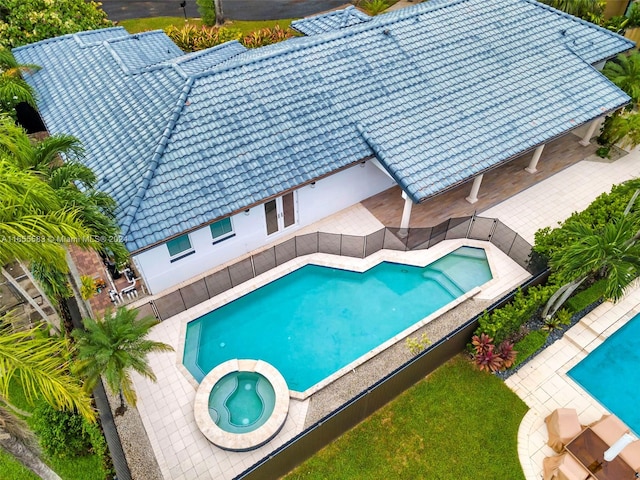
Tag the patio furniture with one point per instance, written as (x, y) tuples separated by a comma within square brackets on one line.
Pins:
[(562, 425), (563, 467), (609, 428), (631, 455), (588, 449)]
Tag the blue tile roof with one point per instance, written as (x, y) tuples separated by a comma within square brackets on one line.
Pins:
[(438, 92), (330, 21)]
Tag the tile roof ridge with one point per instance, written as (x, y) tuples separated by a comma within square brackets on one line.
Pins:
[(379, 154), (320, 38), (76, 36), (129, 36), (138, 197), (578, 20), (193, 55)]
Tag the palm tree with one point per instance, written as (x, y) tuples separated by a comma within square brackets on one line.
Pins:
[(41, 366), (73, 182), (114, 347), (13, 88), (34, 225), (624, 71), (74, 185), (612, 253)]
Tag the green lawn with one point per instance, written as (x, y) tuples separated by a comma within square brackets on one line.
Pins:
[(459, 423), (88, 467), (160, 23)]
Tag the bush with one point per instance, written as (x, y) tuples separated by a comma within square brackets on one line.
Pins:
[(66, 434), (28, 21), (506, 321), (529, 345), (266, 36), (207, 11), (588, 296), (602, 210), (191, 38), (374, 7)]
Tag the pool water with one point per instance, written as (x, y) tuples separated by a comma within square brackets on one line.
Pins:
[(316, 320), (611, 374), (241, 401)]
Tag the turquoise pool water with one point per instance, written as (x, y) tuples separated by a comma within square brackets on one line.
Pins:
[(316, 320), (241, 401), (611, 373)]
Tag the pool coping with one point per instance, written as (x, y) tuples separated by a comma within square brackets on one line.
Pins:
[(418, 258), (240, 442)]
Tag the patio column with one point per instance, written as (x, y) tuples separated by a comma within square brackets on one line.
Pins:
[(592, 128), (534, 160), (406, 214), (473, 196)]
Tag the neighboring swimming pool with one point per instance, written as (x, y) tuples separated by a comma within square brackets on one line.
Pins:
[(611, 375), (316, 320)]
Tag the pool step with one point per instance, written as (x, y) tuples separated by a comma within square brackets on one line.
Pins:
[(444, 280), (582, 335)]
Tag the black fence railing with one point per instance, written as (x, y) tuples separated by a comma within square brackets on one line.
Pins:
[(352, 412), (476, 228)]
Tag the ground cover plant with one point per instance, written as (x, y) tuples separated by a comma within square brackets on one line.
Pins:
[(459, 422)]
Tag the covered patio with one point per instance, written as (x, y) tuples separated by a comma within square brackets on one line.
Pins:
[(497, 185)]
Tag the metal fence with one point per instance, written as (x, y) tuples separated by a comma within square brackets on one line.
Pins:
[(323, 432), (476, 228)]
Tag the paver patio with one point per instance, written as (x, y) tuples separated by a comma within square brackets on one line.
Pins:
[(166, 408)]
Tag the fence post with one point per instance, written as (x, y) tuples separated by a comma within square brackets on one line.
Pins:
[(155, 310), (493, 229), (253, 267), (471, 220)]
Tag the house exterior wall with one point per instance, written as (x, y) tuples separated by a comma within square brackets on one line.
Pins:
[(326, 197)]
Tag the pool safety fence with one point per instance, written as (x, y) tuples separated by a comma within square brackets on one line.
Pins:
[(351, 413), (473, 227)]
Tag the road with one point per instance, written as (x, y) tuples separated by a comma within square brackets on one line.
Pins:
[(233, 9)]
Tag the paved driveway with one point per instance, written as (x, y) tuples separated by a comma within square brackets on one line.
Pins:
[(233, 9)]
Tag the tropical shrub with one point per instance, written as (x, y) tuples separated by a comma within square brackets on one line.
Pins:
[(87, 287), (602, 211), (374, 7), (530, 344), (487, 357), (561, 318), (266, 36), (66, 434), (28, 21), (506, 321), (191, 38)]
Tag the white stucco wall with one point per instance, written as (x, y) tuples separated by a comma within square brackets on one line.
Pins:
[(328, 196)]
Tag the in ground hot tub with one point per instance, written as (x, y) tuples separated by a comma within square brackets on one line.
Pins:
[(241, 404)]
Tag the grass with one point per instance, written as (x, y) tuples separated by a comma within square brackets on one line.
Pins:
[(457, 423), (88, 467), (160, 23)]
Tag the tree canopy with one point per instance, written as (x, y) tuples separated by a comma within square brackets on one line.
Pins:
[(29, 21)]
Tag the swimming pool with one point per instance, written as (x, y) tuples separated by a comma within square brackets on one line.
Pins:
[(611, 375), (316, 320)]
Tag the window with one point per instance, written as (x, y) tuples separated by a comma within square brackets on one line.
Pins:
[(221, 230), (179, 247)]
